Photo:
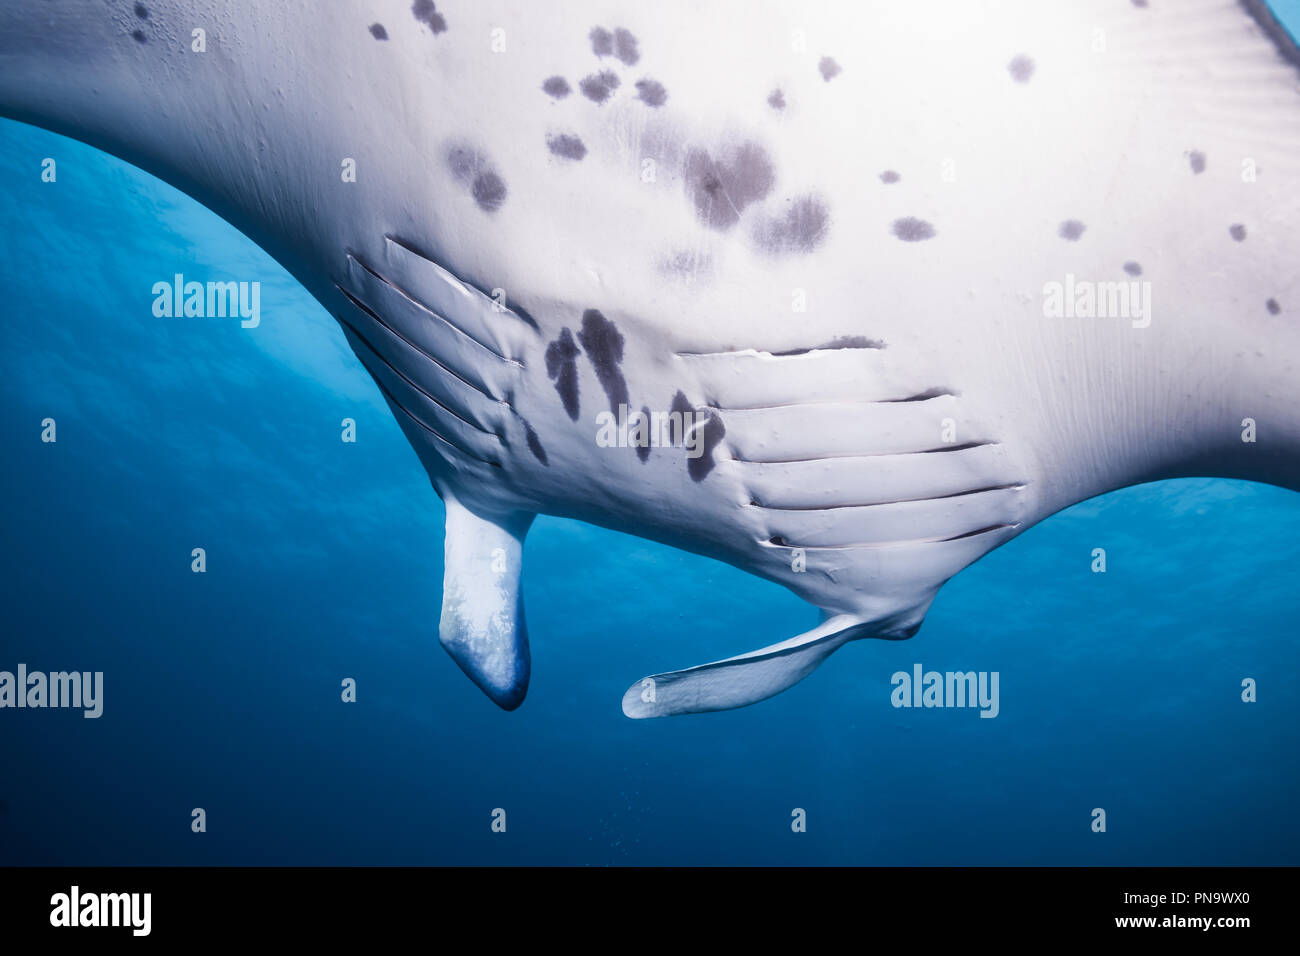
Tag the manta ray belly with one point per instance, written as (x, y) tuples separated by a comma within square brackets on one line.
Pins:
[(843, 294)]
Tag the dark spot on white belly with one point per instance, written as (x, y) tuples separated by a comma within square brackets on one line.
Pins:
[(473, 170), (1021, 68), (489, 191), (643, 450), (625, 47), (599, 86), (603, 343), (722, 188), (602, 41), (570, 147), (714, 432), (801, 229), (562, 368), (535, 444), (651, 92), (911, 229), (556, 86), (426, 13)]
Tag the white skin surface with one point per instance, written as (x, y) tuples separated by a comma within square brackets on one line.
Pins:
[(820, 449)]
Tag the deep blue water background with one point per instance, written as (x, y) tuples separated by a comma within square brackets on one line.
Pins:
[(1119, 690)]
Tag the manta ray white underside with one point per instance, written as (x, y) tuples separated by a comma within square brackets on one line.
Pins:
[(844, 294)]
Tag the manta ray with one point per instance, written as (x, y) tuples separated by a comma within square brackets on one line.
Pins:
[(845, 295)]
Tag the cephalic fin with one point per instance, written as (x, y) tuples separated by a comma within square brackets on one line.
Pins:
[(482, 625), (742, 680)]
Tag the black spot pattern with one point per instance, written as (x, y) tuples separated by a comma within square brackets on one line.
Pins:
[(889, 176), (680, 405), (801, 229), (1273, 307), (1021, 68), (1238, 232), (473, 170), (1197, 161), (603, 344), (722, 188), (570, 147), (714, 431), (464, 162), (625, 47), (378, 32), (142, 11), (828, 68), (427, 14), (651, 92), (556, 86), (599, 86), (1133, 269), (643, 451), (776, 100), (489, 191), (712, 434), (535, 444), (1071, 230), (911, 229), (139, 37), (562, 368), (602, 41)]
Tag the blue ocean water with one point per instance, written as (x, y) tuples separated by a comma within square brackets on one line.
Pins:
[(324, 560)]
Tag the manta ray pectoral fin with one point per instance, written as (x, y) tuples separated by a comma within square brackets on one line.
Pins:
[(482, 625), (742, 680)]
